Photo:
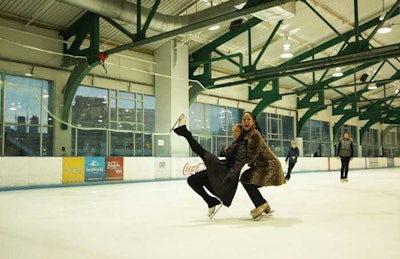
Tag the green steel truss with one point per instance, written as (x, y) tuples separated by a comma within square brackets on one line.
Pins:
[(358, 51), (257, 80)]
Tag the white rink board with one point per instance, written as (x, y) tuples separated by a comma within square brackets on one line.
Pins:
[(44, 171)]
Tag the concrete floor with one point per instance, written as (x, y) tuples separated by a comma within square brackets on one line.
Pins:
[(316, 216)]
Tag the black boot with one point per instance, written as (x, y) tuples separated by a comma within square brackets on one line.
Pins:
[(182, 131)]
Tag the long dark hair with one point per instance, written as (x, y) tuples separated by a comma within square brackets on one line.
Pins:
[(255, 120)]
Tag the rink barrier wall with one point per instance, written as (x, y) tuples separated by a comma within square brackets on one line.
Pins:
[(45, 172)]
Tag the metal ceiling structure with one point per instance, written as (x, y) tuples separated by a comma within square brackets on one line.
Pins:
[(245, 51)]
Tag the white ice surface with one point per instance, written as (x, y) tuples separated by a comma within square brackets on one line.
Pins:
[(316, 216)]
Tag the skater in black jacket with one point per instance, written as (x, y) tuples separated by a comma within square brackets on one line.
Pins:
[(214, 178), (292, 156)]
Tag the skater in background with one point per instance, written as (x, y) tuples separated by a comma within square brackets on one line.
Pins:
[(345, 152), (317, 153), (265, 167), (214, 177), (292, 156)]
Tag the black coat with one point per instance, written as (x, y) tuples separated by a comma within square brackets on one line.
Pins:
[(218, 169)]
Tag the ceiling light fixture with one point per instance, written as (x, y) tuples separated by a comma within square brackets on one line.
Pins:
[(338, 72), (286, 49), (386, 28), (30, 73), (372, 87), (213, 28)]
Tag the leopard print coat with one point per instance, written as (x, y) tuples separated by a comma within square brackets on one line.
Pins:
[(265, 167)]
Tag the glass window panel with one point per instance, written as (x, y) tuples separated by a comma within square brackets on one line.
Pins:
[(121, 144), (276, 147), (47, 141), (221, 142), (234, 116), (113, 109), (27, 110), (91, 143), (23, 99), (139, 112), (90, 107), (126, 95), (148, 146), (126, 110), (217, 115), (305, 131), (287, 127), (197, 114), (149, 113), (139, 144), (261, 121)]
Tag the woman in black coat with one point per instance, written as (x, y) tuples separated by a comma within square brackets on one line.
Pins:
[(214, 178)]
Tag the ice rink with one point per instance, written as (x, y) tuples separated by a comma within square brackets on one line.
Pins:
[(316, 216)]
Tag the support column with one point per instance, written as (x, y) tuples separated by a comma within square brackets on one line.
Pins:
[(172, 97)]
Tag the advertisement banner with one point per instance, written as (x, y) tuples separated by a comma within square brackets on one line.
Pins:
[(114, 168), (94, 169), (73, 170)]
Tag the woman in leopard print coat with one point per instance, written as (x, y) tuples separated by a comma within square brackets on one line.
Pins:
[(265, 167)]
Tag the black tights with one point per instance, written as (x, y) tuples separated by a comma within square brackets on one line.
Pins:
[(194, 145), (198, 182)]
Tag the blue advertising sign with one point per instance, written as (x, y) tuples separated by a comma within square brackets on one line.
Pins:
[(94, 169)]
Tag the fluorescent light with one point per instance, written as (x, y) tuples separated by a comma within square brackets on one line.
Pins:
[(286, 54), (338, 72), (213, 28), (386, 28), (286, 49), (372, 87)]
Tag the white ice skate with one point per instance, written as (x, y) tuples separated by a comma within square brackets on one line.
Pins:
[(213, 210)]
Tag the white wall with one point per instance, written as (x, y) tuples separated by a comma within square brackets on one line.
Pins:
[(38, 172)]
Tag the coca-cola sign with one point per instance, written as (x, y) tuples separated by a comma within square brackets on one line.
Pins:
[(189, 169)]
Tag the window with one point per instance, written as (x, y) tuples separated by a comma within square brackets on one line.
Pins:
[(370, 143), (315, 136), (279, 131), (112, 123), (28, 121), (212, 125)]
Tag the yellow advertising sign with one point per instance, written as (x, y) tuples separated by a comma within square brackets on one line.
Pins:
[(73, 170)]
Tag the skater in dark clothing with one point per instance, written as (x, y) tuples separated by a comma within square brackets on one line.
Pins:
[(317, 153), (214, 177), (345, 152), (265, 168), (292, 156)]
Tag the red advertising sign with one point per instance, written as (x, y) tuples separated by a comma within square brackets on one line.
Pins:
[(114, 168)]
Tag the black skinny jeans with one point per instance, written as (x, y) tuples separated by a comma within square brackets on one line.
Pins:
[(198, 182), (344, 170)]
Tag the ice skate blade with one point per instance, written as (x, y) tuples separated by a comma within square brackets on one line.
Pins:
[(177, 122), (217, 208)]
